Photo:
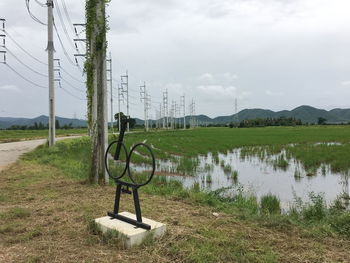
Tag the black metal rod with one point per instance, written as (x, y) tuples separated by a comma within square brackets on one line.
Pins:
[(137, 204), (117, 198), (121, 138), (130, 221)]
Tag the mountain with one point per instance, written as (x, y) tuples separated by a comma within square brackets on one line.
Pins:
[(6, 122), (306, 114)]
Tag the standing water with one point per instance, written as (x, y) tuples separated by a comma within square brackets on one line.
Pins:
[(260, 175)]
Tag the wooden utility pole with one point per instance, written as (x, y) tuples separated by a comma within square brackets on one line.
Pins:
[(96, 71)]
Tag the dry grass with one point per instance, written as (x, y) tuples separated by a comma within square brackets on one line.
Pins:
[(44, 217)]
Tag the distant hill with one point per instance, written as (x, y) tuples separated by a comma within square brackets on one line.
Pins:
[(6, 122), (306, 114)]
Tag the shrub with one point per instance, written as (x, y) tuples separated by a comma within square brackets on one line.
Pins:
[(341, 224), (317, 209), (270, 204)]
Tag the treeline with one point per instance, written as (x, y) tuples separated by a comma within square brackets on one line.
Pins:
[(41, 126), (264, 122)]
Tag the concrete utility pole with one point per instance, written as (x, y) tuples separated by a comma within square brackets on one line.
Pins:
[(120, 99), (50, 50), (236, 111), (160, 116), (166, 109), (3, 46), (144, 98), (110, 80), (125, 89), (96, 53), (183, 106)]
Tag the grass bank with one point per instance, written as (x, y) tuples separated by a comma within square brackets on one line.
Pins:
[(19, 135), (46, 208)]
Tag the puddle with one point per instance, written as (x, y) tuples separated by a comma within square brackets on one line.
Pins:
[(261, 174)]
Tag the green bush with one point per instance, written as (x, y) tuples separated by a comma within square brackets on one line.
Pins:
[(317, 209), (341, 224), (270, 204)]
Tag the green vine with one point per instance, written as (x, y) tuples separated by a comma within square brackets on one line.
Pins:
[(94, 43)]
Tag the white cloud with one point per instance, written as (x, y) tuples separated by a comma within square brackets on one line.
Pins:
[(206, 77), (345, 83), (274, 93), (11, 88)]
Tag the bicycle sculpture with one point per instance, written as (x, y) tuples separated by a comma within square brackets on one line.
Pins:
[(118, 164)]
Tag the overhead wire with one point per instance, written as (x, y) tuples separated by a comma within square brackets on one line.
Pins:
[(25, 51), (65, 71), (26, 79), (61, 43), (39, 3), (33, 16), (68, 92), (65, 81), (63, 24), (21, 62)]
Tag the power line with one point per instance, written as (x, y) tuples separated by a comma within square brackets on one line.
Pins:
[(31, 82), (65, 71), (72, 85), (68, 92), (39, 3), (21, 62), (25, 51), (64, 50), (33, 16), (63, 24)]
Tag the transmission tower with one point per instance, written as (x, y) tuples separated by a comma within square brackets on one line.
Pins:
[(236, 112), (144, 98), (183, 106), (165, 110), (120, 100), (110, 80), (125, 89)]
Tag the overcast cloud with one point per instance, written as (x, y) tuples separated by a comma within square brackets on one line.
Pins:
[(273, 54)]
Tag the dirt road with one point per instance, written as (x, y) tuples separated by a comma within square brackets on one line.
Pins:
[(10, 152)]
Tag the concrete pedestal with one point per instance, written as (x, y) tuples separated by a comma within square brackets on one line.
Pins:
[(129, 234)]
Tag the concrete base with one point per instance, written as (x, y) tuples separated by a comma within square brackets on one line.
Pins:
[(128, 234)]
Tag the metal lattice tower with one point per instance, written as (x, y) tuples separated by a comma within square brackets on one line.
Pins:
[(124, 84)]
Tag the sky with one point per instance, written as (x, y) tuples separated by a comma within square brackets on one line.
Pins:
[(271, 54)]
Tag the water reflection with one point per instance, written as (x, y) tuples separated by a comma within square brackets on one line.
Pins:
[(261, 173)]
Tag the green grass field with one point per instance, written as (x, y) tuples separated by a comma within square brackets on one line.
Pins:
[(189, 144), (50, 186), (19, 135)]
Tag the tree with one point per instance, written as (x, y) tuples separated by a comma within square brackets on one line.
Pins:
[(57, 124), (321, 121), (95, 68)]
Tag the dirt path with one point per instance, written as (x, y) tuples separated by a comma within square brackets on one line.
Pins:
[(10, 152)]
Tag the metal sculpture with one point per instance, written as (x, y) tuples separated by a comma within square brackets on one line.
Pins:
[(124, 186)]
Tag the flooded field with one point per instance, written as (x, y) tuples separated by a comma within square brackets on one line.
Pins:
[(260, 171)]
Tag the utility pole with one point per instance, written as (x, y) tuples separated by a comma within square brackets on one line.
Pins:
[(160, 116), (125, 89), (236, 112), (166, 109), (183, 106), (144, 98), (120, 99), (50, 50), (110, 80), (97, 75), (3, 46)]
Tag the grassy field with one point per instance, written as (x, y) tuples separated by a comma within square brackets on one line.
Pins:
[(18, 135), (189, 144), (46, 208)]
